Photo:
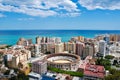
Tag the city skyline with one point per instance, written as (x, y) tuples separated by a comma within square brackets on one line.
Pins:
[(59, 39), (59, 14)]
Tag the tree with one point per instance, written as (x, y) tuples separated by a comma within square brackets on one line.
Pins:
[(14, 78), (48, 52), (104, 62), (30, 65), (7, 72), (115, 62), (109, 57), (115, 75), (20, 76), (8, 46), (1, 55), (99, 55)]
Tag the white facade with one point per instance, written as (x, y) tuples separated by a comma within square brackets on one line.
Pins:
[(34, 76), (39, 67), (59, 48), (70, 47), (102, 47)]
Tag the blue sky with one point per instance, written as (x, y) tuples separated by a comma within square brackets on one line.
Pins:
[(60, 14)]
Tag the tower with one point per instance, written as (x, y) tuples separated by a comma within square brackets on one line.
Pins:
[(102, 47)]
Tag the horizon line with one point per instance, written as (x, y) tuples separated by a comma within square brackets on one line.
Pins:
[(62, 29)]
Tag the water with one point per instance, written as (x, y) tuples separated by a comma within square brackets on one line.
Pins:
[(47, 78), (11, 36)]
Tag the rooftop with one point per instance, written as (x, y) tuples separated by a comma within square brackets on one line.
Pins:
[(39, 61), (94, 70), (34, 75)]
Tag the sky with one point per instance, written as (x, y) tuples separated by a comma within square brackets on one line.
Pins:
[(60, 14)]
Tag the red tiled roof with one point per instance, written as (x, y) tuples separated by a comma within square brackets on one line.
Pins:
[(94, 70)]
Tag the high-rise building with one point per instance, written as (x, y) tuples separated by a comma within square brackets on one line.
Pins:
[(35, 49), (29, 41), (38, 40), (99, 37), (39, 67), (102, 47), (118, 37), (15, 61), (73, 39), (81, 38), (88, 51), (113, 37), (43, 47), (59, 48), (24, 42), (47, 47), (43, 40), (15, 56), (107, 38), (48, 40), (77, 39), (51, 47), (79, 48), (70, 47), (58, 40)]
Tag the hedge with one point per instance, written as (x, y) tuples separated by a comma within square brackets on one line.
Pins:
[(72, 73)]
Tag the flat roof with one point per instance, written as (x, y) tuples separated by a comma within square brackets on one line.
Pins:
[(32, 74), (94, 70)]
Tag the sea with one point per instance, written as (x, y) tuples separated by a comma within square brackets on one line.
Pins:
[(10, 37)]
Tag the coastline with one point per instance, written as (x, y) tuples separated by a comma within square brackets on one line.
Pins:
[(11, 36)]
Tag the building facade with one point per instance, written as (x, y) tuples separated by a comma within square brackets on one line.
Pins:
[(39, 67), (79, 48), (70, 47), (102, 47)]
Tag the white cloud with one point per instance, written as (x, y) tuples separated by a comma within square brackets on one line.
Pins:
[(41, 8), (100, 4), (44, 8), (69, 14), (25, 19), (2, 15)]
